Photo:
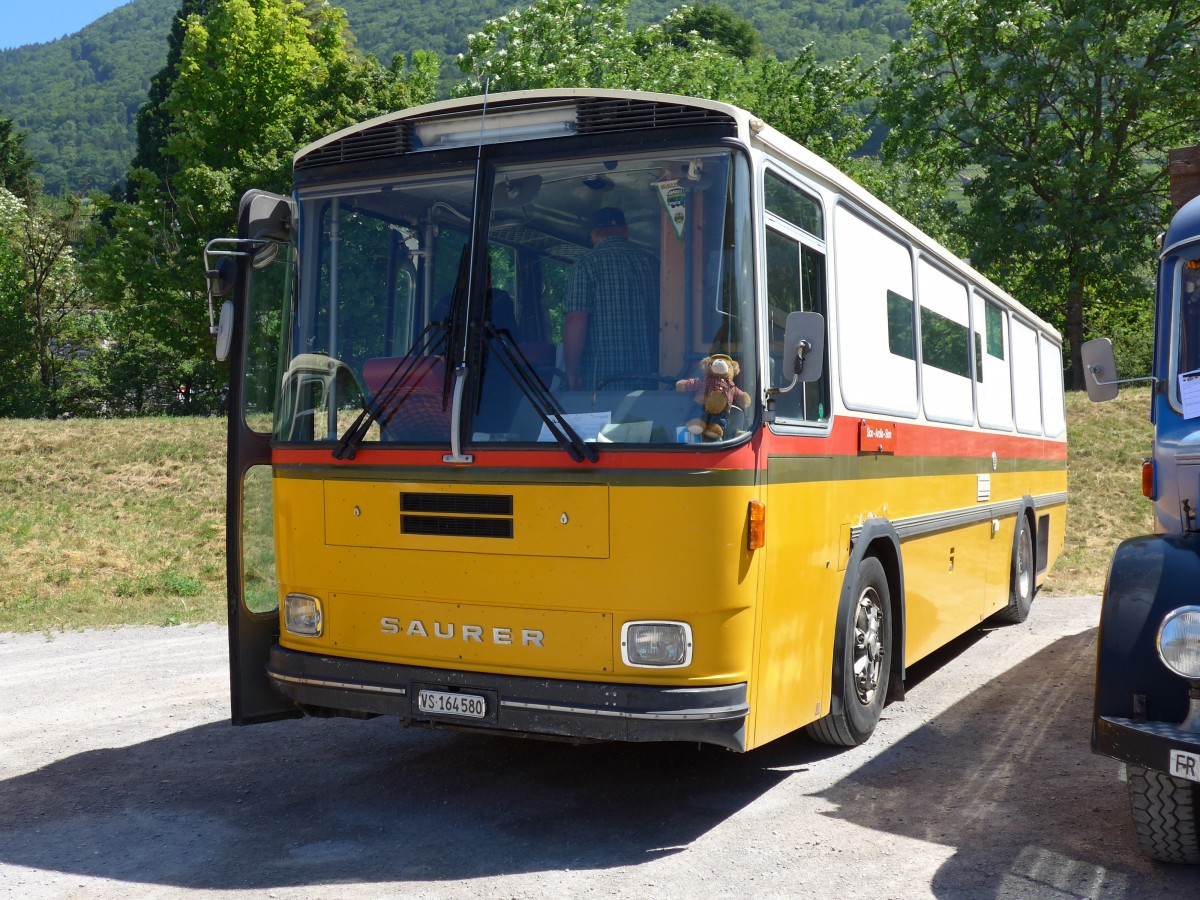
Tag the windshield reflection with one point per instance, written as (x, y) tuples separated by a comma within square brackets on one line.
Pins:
[(603, 284)]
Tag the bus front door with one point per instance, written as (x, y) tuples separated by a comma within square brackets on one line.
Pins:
[(266, 278)]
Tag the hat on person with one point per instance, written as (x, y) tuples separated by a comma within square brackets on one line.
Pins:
[(608, 217)]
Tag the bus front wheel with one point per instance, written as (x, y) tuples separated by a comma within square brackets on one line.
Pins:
[(864, 662)]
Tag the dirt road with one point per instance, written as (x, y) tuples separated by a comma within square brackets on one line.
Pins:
[(121, 777)]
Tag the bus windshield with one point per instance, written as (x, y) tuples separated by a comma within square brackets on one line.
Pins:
[(597, 289), (1186, 291)]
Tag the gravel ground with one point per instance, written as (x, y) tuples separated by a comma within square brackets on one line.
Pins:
[(121, 777)]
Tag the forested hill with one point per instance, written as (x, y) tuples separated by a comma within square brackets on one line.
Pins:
[(77, 98)]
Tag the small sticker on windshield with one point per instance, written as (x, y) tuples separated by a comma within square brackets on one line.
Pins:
[(1189, 393)]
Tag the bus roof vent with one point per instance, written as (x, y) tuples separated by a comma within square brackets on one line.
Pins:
[(387, 139), (599, 115)]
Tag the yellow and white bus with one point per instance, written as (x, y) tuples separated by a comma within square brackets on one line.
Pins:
[(474, 524)]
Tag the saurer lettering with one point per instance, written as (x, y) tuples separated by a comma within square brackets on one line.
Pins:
[(478, 634)]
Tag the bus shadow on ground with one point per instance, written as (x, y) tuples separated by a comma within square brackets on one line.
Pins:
[(309, 802), (1005, 778)]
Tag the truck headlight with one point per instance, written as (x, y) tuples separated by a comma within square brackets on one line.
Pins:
[(1179, 641), (302, 615), (657, 644)]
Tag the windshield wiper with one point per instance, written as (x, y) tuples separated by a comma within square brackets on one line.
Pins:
[(396, 388), (403, 380), (521, 370)]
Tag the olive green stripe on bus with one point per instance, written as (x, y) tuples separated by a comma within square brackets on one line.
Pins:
[(781, 470), (792, 469)]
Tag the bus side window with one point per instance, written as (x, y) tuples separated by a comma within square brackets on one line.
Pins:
[(795, 282)]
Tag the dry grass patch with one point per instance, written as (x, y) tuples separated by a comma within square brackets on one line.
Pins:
[(1107, 442), (111, 521)]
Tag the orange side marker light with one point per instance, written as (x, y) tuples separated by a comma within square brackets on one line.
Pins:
[(757, 525)]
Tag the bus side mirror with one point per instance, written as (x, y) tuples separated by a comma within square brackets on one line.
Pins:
[(224, 330), (221, 277), (1099, 370), (804, 346)]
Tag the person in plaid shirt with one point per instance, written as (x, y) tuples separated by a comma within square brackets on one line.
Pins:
[(611, 322)]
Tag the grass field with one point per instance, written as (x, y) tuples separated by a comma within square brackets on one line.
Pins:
[(107, 522)]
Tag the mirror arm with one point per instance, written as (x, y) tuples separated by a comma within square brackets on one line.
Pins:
[(802, 350), (1095, 370)]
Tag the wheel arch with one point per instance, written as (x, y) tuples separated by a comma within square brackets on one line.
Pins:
[(1028, 512), (877, 538)]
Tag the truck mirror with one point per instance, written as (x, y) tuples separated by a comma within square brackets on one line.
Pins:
[(1099, 370)]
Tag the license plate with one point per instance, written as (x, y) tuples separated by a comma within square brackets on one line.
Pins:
[(1184, 765), (444, 703)]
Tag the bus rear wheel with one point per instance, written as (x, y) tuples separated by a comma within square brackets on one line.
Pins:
[(861, 679), (1021, 580), (1165, 815)]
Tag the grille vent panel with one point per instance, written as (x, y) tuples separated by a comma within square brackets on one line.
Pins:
[(458, 504), (606, 116), (456, 526), (457, 515), (388, 139)]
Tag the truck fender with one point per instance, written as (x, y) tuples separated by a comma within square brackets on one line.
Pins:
[(1149, 576)]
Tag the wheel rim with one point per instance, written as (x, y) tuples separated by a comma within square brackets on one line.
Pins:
[(1025, 565), (868, 646)]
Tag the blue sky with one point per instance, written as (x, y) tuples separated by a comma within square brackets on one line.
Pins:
[(38, 21)]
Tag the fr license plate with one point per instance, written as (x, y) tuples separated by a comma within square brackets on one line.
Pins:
[(1184, 765), (444, 703)]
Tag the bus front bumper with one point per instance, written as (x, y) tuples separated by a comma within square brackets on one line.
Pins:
[(581, 710)]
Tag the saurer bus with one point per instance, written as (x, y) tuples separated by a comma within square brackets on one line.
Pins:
[(437, 513)]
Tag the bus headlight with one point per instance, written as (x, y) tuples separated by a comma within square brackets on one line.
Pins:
[(302, 615), (1179, 641), (657, 644)]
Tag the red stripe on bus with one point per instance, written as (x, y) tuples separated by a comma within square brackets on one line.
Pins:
[(911, 440)]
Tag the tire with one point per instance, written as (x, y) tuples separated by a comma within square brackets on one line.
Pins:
[(863, 668), (1021, 577), (1164, 815)]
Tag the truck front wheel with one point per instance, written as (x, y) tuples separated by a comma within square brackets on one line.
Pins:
[(1164, 815)]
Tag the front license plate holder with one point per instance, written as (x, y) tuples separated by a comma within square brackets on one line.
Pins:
[(454, 704), (1183, 764)]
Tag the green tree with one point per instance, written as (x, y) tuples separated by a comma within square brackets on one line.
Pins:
[(18, 364), (153, 119), (562, 43), (249, 82), (1057, 117), (46, 318), (719, 24), (16, 165)]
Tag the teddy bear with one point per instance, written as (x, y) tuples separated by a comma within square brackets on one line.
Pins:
[(715, 394)]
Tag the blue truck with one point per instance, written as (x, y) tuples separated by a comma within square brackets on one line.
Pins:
[(1147, 699)]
